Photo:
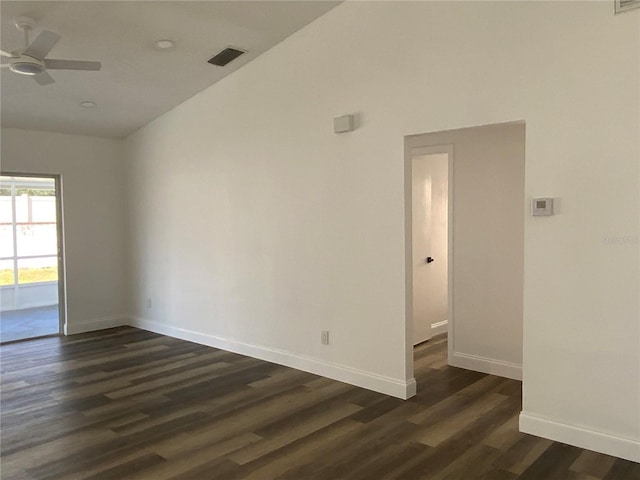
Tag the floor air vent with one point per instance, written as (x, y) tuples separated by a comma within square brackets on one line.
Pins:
[(225, 56)]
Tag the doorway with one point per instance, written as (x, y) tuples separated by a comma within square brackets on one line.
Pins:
[(31, 263), (430, 238), (485, 246)]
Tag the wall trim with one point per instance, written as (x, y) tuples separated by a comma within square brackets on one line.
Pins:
[(486, 365), (621, 447), (96, 324), (335, 371), (439, 327)]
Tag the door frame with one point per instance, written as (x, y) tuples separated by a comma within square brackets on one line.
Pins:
[(62, 298), (418, 145)]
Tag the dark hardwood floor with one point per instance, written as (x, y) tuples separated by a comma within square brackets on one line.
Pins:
[(129, 404)]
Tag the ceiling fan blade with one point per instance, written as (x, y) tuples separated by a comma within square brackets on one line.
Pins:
[(72, 65), (43, 78), (42, 44), (5, 54)]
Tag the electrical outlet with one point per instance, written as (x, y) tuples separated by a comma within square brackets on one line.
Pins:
[(325, 337), (148, 302)]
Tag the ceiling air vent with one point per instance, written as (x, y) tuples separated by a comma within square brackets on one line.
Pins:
[(624, 5), (225, 56)]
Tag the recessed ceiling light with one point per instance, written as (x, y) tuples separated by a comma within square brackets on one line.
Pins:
[(88, 104), (165, 44)]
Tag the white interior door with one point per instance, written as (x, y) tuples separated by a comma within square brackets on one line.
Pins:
[(429, 230)]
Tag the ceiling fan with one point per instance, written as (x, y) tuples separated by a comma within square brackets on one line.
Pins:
[(31, 60)]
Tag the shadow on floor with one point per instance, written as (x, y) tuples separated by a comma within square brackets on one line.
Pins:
[(28, 323)]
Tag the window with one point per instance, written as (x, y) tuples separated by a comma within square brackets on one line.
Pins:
[(28, 231)]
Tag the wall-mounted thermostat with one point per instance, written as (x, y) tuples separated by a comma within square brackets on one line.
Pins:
[(542, 206)]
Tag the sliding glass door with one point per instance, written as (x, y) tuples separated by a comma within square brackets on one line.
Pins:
[(30, 257)]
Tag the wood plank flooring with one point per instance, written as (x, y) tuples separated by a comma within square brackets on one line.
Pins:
[(129, 404)]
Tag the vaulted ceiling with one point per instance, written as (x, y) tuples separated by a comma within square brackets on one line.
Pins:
[(138, 81)]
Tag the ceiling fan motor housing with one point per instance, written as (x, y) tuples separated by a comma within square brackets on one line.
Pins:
[(31, 62), (26, 65)]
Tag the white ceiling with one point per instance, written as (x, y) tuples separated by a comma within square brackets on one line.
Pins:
[(138, 82)]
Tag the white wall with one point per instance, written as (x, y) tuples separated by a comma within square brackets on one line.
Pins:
[(439, 243), (93, 215), (305, 228), (488, 245)]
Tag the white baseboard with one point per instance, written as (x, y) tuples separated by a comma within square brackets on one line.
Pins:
[(96, 324), (620, 447), (342, 373), (486, 365), (439, 327)]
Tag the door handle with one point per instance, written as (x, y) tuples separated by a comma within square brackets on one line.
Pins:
[(429, 259)]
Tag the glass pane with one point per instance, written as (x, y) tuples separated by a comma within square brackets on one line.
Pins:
[(35, 216), (30, 190), (22, 208), (6, 272), (36, 239), (43, 209), (6, 240), (36, 270), (6, 215), (30, 184), (6, 219), (5, 186)]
